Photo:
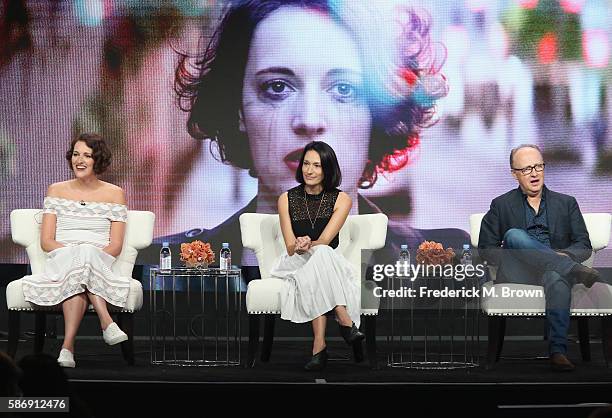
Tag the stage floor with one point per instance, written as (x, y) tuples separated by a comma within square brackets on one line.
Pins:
[(521, 362), (520, 380)]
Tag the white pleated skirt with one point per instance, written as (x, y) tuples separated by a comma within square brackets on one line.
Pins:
[(315, 283), (75, 269)]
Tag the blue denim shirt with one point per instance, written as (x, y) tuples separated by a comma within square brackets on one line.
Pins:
[(537, 223)]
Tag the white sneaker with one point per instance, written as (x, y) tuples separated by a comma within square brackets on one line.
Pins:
[(113, 335), (66, 358)]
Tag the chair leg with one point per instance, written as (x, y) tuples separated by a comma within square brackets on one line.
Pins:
[(126, 323), (502, 335), (358, 352), (370, 332), (583, 337), (40, 330), (606, 338), (13, 332), (358, 347), (253, 339), (268, 338), (497, 329)]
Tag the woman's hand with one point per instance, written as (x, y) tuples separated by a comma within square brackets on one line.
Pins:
[(302, 244)]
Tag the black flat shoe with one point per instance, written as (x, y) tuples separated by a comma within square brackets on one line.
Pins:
[(318, 361), (351, 334)]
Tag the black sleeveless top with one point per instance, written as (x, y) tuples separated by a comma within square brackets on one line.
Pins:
[(308, 209)]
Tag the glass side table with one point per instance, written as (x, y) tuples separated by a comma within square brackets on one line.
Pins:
[(195, 316), (434, 332)]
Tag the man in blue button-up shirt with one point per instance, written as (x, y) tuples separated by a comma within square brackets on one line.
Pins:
[(544, 240)]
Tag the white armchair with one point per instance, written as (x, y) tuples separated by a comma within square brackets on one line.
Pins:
[(262, 234), (586, 302), (25, 231)]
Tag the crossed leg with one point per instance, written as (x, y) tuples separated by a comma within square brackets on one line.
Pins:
[(74, 309)]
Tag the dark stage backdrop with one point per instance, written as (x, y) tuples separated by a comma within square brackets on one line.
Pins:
[(518, 71)]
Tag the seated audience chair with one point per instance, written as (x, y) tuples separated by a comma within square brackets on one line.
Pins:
[(262, 234), (25, 231), (585, 303)]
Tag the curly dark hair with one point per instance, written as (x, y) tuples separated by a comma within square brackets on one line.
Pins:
[(101, 153), (210, 88)]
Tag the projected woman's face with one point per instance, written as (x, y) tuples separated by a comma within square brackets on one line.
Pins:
[(303, 82)]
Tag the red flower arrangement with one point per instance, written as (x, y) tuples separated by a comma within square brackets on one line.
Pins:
[(433, 253), (197, 253)]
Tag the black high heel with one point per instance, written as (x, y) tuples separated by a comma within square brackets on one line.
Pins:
[(351, 334), (318, 361)]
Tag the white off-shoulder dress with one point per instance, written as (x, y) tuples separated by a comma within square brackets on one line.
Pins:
[(80, 265)]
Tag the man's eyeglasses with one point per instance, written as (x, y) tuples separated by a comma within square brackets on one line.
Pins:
[(527, 170)]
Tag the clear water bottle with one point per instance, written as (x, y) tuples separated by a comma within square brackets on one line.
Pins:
[(404, 255), (165, 258), (466, 255), (404, 261), (225, 257)]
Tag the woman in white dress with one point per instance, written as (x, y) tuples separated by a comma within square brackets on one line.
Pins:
[(82, 231), (317, 279)]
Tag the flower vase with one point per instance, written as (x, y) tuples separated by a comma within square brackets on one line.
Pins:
[(200, 265)]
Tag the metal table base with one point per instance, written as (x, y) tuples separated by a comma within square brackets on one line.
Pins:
[(432, 333), (195, 317)]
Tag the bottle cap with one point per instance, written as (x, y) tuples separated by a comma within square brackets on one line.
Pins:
[(466, 246), (404, 246), (226, 245), (165, 244)]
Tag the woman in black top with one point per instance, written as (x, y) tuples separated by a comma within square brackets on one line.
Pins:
[(317, 279)]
